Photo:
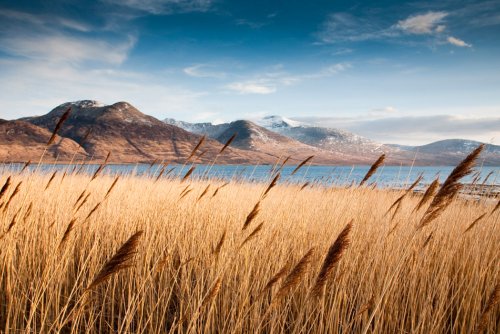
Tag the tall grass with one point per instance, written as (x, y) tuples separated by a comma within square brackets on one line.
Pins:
[(269, 258)]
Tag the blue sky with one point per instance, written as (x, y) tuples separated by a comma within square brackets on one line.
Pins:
[(394, 71)]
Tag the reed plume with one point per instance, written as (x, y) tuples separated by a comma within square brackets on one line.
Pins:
[(219, 188), (202, 140), (487, 178), (271, 185), (251, 216), (253, 234), (450, 188), (50, 180), (189, 172), (218, 247), (426, 242), (304, 186), (111, 187), (373, 169), (63, 118), (92, 211), (14, 193), (67, 232), (276, 277), (121, 260), (101, 167), (162, 170), (5, 186), (400, 199), (284, 163), (332, 258), (299, 166), (184, 190), (228, 142), (490, 304), (366, 306), (492, 211), (475, 222), (85, 199), (203, 193), (28, 212), (429, 192), (185, 194), (212, 293), (26, 165), (294, 277)]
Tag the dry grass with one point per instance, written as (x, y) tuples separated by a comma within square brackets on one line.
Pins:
[(194, 269)]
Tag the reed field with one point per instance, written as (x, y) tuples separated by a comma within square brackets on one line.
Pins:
[(138, 254)]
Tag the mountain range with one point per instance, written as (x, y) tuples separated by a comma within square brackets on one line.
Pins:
[(93, 130)]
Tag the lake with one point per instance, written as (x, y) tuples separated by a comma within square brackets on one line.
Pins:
[(386, 176)]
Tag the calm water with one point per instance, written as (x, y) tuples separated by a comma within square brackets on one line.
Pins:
[(386, 176)]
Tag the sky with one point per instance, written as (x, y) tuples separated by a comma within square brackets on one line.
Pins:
[(397, 72)]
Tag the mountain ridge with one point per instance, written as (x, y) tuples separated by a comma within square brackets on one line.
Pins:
[(132, 136)]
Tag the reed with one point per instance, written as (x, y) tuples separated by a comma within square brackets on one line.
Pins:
[(373, 169), (65, 264)]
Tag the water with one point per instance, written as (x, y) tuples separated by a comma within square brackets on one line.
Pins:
[(386, 176)]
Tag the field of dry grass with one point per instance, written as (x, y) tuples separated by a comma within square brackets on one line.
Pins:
[(145, 256)]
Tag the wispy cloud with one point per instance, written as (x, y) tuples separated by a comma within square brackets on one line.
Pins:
[(428, 23), (261, 87), (458, 42), (340, 27), (344, 27), (164, 7), (269, 82), (203, 71), (251, 24), (56, 39), (44, 21), (35, 87), (63, 48)]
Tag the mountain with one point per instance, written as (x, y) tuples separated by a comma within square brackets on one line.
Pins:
[(454, 150), (209, 129), (348, 147), (22, 141), (253, 137), (330, 139), (130, 135), (297, 139), (256, 138)]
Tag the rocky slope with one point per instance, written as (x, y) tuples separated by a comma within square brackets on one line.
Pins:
[(130, 135), (22, 141)]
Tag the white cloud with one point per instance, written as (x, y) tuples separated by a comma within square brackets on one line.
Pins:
[(62, 48), (458, 42), (269, 82), (32, 87), (164, 7), (252, 87), (203, 71), (440, 28), (423, 24)]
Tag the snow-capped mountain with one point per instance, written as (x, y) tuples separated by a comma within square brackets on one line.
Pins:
[(457, 147), (330, 139), (275, 122), (347, 146)]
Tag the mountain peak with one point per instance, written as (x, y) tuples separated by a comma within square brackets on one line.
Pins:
[(83, 104), (277, 122)]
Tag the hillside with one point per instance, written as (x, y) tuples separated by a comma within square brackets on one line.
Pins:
[(23, 141), (130, 135)]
